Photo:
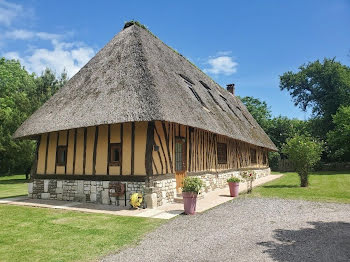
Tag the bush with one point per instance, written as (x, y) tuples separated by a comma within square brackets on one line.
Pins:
[(274, 158), (192, 184), (304, 153), (234, 179)]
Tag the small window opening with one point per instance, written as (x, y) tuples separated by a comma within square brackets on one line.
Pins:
[(222, 153), (215, 101), (223, 98), (244, 115), (61, 155), (204, 85), (253, 155), (115, 154), (228, 105), (187, 79), (264, 158), (247, 119)]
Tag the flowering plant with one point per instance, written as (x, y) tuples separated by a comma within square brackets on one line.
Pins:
[(136, 200), (249, 177)]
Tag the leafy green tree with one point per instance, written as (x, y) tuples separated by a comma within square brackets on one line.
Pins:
[(281, 128), (339, 138), (15, 105), (322, 86), (258, 109), (304, 153), (21, 94)]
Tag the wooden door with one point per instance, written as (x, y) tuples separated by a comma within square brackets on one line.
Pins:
[(180, 163)]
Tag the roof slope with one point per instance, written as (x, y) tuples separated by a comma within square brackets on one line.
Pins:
[(136, 77)]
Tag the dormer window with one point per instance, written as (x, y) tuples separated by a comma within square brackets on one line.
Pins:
[(190, 84)]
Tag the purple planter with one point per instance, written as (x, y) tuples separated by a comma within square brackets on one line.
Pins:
[(190, 201), (233, 188)]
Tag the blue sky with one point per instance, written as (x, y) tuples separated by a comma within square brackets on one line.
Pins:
[(249, 43)]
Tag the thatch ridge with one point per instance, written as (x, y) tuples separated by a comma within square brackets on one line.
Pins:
[(136, 77)]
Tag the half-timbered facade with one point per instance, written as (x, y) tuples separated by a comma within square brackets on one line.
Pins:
[(140, 117)]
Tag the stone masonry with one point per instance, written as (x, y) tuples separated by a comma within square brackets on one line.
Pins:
[(118, 193), (102, 192)]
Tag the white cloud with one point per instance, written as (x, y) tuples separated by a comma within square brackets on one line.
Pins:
[(69, 56), (222, 65), (9, 12), (21, 34), (222, 53), (12, 55)]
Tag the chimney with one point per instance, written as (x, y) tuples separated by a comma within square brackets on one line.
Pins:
[(231, 88)]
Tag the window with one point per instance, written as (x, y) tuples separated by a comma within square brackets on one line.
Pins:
[(228, 105), (215, 101), (222, 153), (186, 79), (61, 155), (253, 155), (204, 85), (179, 156), (264, 158), (190, 84), (115, 154)]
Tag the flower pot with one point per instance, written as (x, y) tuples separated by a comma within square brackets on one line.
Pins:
[(233, 188), (190, 201)]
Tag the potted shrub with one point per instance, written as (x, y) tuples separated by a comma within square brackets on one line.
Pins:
[(233, 183), (190, 190)]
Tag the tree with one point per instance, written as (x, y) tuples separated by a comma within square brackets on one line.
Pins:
[(15, 84), (21, 94), (304, 153), (322, 86), (281, 128), (258, 109), (339, 138)]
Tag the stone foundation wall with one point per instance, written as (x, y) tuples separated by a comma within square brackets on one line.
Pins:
[(165, 189), (213, 181), (102, 192)]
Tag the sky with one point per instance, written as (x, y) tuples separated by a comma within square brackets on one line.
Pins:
[(248, 43)]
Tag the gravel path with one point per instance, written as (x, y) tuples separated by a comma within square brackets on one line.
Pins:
[(250, 229)]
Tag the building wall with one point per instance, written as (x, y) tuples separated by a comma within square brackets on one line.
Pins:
[(87, 150), (201, 149)]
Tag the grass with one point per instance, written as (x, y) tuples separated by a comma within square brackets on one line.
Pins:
[(323, 186), (11, 186), (37, 234)]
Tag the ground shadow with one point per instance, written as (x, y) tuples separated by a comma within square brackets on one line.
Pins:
[(13, 181), (225, 196), (281, 186), (325, 241)]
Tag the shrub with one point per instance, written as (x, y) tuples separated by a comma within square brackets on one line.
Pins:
[(304, 153), (192, 184), (234, 179)]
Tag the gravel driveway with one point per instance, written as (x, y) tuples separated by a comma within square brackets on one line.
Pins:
[(250, 229)]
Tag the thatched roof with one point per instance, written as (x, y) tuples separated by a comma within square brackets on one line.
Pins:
[(136, 77)]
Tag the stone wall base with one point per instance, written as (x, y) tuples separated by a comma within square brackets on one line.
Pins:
[(101, 192), (159, 192)]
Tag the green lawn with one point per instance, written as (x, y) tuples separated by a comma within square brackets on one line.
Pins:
[(15, 185), (38, 234), (324, 186)]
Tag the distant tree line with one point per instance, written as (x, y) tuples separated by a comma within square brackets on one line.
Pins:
[(323, 87), (21, 94)]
